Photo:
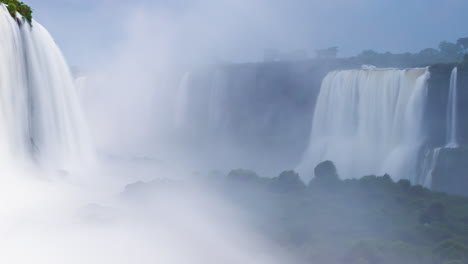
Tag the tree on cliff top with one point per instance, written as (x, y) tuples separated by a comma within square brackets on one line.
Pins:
[(15, 6)]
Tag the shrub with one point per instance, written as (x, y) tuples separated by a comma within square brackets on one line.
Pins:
[(288, 181), (435, 213), (418, 190), (449, 250), (243, 175), (405, 185), (453, 262), (12, 9), (26, 12), (365, 251), (325, 175), (15, 6)]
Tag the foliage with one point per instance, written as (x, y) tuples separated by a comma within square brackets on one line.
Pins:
[(404, 184), (446, 52), (450, 50), (242, 175), (463, 42), (450, 250), (288, 181), (327, 53), (371, 220), (325, 175), (15, 6)]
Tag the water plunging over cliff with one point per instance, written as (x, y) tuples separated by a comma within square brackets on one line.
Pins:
[(452, 111), (369, 121), (40, 115)]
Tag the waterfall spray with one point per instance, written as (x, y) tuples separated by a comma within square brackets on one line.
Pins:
[(452, 111), (369, 122), (40, 115)]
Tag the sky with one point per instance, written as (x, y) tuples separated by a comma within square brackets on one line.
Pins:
[(90, 31)]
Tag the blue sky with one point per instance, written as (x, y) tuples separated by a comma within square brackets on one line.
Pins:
[(89, 30)]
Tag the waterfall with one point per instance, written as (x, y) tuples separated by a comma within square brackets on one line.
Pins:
[(368, 121), (40, 115), (428, 166), (182, 101), (217, 98), (431, 156), (452, 111)]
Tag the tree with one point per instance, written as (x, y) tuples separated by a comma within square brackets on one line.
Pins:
[(435, 213), (243, 175), (288, 181), (368, 53), (328, 53), (463, 42), (451, 51), (325, 175), (17, 6), (429, 52), (450, 250)]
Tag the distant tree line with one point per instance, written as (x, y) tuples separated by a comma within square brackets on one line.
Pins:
[(446, 52)]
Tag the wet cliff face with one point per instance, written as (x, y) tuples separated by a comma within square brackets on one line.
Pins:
[(462, 102), (262, 110), (265, 111), (436, 109), (451, 169)]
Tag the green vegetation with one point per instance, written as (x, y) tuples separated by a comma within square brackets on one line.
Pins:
[(371, 220), (15, 6), (445, 52)]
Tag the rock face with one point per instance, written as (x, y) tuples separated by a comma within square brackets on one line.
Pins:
[(451, 171), (436, 108), (265, 109)]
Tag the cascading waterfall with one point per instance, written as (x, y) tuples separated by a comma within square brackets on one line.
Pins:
[(182, 101), (452, 111), (40, 115), (217, 98), (428, 166), (369, 122), (432, 155)]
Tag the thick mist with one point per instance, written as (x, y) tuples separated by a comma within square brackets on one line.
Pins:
[(163, 102), (53, 212)]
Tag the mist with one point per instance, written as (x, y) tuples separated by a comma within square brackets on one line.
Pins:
[(174, 130)]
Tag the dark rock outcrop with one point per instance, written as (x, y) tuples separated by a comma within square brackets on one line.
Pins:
[(451, 171)]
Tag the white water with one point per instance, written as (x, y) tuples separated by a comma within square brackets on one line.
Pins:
[(368, 122), (431, 156), (217, 98), (182, 101), (428, 166), (40, 116), (452, 111)]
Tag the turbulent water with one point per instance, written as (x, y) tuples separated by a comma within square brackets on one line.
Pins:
[(452, 111), (369, 121), (40, 116)]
